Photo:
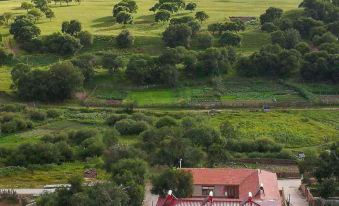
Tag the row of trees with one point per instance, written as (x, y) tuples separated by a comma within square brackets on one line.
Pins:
[(69, 42)]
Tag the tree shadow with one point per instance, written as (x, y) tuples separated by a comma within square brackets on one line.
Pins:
[(145, 19), (106, 21)]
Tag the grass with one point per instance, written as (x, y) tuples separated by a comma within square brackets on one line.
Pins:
[(96, 15), (50, 174), (293, 129)]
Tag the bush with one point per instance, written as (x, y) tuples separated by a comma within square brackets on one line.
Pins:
[(124, 17), (12, 108), (129, 126), (204, 40), (269, 27), (5, 56), (230, 39), (52, 113), (38, 115), (11, 124), (115, 118), (166, 121), (86, 38), (125, 39), (63, 44)]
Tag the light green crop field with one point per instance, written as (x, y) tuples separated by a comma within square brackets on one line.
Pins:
[(50, 174)]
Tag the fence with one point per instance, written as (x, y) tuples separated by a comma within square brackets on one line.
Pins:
[(308, 195)]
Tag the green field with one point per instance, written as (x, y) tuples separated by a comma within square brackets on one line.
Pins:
[(96, 15)]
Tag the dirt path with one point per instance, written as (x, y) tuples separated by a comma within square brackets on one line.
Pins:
[(150, 200), (291, 188)]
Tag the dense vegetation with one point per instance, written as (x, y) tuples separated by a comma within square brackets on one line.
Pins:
[(172, 53)]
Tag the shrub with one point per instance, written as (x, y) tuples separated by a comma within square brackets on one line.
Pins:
[(79, 136), (204, 40), (124, 17), (230, 39), (115, 118), (52, 113), (5, 56), (63, 44), (86, 38), (38, 115), (12, 108), (125, 39), (269, 27), (166, 121), (129, 126)]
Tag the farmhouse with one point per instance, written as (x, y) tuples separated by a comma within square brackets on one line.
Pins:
[(230, 187)]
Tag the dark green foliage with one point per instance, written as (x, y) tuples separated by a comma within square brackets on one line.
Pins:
[(100, 194), (86, 64), (203, 136), (23, 29), (320, 10), (124, 17), (334, 28), (119, 8), (37, 115), (56, 84), (125, 39), (12, 108), (320, 66), (269, 27), (179, 181), (271, 15), (327, 188), (72, 27), (191, 6), (233, 26), (286, 39), (139, 69), (129, 126), (177, 35), (329, 48), (10, 123), (114, 118), (204, 40), (325, 38), (63, 44), (112, 62), (86, 38), (166, 122), (258, 145), (216, 27), (162, 15), (131, 173), (52, 113), (214, 61), (201, 16), (5, 56), (271, 61), (303, 48), (230, 39), (126, 6), (76, 137), (171, 7), (305, 25), (40, 153)]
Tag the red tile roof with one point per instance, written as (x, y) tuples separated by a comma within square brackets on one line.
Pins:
[(220, 176)]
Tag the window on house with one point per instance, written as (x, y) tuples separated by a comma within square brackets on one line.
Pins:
[(206, 190), (231, 192)]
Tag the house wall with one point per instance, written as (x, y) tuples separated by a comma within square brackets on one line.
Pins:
[(219, 190)]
